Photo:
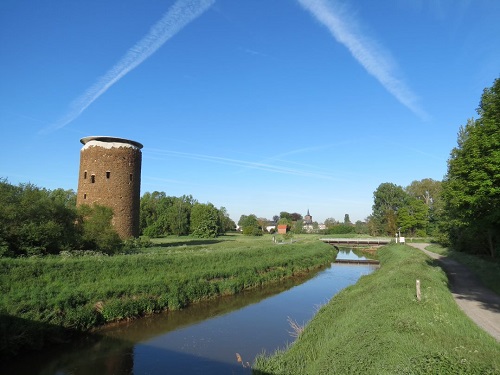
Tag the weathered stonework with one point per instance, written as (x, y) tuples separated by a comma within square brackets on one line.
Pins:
[(110, 175)]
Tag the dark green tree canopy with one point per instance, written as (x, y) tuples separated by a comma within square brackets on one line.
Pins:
[(471, 189)]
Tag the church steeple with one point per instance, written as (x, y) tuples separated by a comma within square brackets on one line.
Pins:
[(308, 218)]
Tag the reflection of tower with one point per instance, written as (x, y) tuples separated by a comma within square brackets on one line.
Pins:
[(308, 219), (110, 175)]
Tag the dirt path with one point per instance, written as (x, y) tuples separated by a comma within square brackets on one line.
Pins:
[(477, 301)]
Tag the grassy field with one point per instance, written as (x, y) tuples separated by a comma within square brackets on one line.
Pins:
[(378, 327), (46, 297)]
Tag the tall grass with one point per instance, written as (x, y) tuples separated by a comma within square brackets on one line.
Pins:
[(378, 327), (82, 292)]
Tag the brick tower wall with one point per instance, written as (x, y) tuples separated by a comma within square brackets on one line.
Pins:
[(110, 175)]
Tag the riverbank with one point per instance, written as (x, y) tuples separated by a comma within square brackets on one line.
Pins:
[(379, 326), (45, 299)]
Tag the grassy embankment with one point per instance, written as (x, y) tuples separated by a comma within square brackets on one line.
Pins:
[(44, 298), (378, 327)]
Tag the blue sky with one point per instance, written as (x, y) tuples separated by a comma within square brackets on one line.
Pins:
[(259, 106)]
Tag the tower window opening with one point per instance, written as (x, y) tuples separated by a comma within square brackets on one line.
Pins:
[(84, 196), (108, 174), (130, 177), (92, 178), (85, 175)]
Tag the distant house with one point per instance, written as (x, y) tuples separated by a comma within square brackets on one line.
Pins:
[(270, 228), (282, 228)]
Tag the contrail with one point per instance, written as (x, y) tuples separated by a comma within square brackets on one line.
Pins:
[(364, 50), (160, 154), (176, 18)]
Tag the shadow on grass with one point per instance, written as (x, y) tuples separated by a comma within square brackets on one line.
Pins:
[(188, 243), (66, 352), (465, 285)]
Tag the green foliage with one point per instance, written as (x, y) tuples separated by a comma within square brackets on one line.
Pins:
[(370, 328), (132, 244), (205, 221), (471, 190), (413, 211), (298, 227), (162, 215), (226, 224), (35, 221), (361, 227), (177, 215), (413, 217), (250, 225), (387, 200), (340, 229), (98, 231)]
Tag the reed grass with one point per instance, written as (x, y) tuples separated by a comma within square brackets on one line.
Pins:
[(378, 326)]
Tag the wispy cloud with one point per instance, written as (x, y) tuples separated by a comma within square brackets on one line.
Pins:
[(342, 25), (174, 20), (273, 168)]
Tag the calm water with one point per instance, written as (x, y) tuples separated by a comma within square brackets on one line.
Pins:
[(203, 339)]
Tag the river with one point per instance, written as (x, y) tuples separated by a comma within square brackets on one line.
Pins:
[(216, 337)]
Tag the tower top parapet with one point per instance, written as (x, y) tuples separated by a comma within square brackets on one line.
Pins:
[(109, 142)]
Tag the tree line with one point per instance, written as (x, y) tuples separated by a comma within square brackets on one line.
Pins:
[(163, 215), (463, 210), (251, 225), (37, 221)]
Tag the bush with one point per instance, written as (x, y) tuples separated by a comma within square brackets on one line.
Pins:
[(340, 229), (98, 232)]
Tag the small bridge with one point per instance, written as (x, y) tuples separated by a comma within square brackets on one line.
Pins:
[(357, 261), (356, 241)]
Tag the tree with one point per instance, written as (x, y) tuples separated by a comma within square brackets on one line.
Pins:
[(429, 191), (413, 217), (225, 221), (262, 223), (250, 225), (98, 232), (177, 216), (330, 222), (152, 208), (387, 200), (286, 215), (205, 221), (471, 189), (298, 227), (361, 227), (35, 221)]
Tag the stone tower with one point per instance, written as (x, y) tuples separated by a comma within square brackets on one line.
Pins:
[(110, 175)]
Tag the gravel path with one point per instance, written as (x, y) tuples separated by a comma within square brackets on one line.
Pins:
[(478, 302)]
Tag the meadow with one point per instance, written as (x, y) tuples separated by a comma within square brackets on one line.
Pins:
[(379, 327), (45, 298)]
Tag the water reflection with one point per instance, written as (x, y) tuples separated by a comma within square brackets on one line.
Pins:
[(203, 338)]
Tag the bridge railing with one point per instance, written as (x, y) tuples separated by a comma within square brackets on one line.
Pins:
[(357, 241)]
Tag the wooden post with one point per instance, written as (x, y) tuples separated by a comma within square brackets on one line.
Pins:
[(418, 291)]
